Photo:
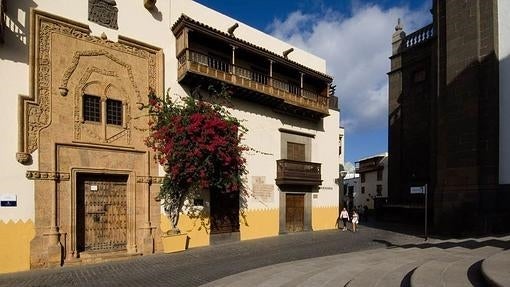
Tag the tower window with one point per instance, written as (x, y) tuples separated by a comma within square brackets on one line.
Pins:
[(91, 108)]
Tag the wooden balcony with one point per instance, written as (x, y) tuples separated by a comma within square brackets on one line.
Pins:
[(369, 164), (198, 68), (292, 172)]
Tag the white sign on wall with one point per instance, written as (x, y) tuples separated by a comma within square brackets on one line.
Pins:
[(417, 189), (8, 200)]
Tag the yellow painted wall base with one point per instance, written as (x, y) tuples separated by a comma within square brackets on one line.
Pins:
[(324, 217), (15, 245), (196, 230), (259, 223), (174, 243)]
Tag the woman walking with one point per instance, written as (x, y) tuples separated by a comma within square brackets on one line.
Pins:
[(355, 220), (344, 216)]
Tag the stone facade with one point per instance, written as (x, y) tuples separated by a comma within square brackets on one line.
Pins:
[(69, 146), (444, 114)]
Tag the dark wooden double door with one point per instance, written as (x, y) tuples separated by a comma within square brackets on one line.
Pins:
[(101, 212)]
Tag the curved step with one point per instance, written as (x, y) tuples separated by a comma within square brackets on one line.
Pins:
[(395, 269), (283, 273), (467, 272), (496, 269), (334, 270), (430, 272)]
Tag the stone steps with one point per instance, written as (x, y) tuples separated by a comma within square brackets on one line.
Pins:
[(437, 263), (496, 269)]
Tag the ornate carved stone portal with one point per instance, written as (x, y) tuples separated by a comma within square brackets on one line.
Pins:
[(104, 13), (81, 117)]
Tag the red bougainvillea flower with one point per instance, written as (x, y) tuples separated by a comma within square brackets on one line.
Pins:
[(198, 143)]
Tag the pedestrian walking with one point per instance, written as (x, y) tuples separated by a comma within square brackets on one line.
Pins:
[(344, 216), (355, 221)]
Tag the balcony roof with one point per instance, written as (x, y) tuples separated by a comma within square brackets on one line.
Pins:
[(186, 21)]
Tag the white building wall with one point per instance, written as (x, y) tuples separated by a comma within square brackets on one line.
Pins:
[(341, 155), (504, 90), (370, 184), (325, 151), (154, 28)]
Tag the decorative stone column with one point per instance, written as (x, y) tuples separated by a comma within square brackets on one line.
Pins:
[(54, 254)]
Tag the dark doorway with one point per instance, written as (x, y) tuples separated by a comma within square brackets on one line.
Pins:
[(224, 212)]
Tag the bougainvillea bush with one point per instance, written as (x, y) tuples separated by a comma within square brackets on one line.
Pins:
[(199, 144)]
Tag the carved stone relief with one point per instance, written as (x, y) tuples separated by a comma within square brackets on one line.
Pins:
[(150, 179), (47, 175), (65, 63), (104, 13), (36, 109)]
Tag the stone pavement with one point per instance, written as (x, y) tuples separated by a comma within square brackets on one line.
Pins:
[(470, 262), (198, 266), (370, 257)]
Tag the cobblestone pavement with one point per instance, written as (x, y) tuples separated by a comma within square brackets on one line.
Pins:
[(201, 265)]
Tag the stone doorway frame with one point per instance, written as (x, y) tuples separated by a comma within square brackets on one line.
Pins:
[(131, 247)]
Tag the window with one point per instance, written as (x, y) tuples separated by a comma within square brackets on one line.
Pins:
[(379, 190), (91, 108), (114, 112), (362, 176), (295, 151), (419, 76), (379, 174), (362, 189)]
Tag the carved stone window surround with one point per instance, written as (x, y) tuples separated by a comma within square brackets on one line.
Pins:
[(35, 109)]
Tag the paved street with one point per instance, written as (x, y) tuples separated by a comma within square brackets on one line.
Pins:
[(198, 266)]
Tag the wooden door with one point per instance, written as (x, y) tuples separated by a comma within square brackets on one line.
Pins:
[(102, 213), (294, 212), (224, 212)]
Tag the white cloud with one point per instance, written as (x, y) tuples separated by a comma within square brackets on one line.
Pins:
[(356, 49)]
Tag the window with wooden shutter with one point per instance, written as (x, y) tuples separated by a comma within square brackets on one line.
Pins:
[(295, 151)]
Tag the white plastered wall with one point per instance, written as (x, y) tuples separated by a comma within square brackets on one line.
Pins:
[(14, 75), (154, 28), (504, 90), (325, 151), (14, 82)]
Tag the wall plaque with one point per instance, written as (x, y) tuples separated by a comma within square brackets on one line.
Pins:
[(104, 13), (8, 200)]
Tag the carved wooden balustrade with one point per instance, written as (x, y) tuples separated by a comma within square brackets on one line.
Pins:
[(204, 65), (293, 172)]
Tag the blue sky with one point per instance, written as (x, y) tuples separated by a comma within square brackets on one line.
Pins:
[(354, 36)]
